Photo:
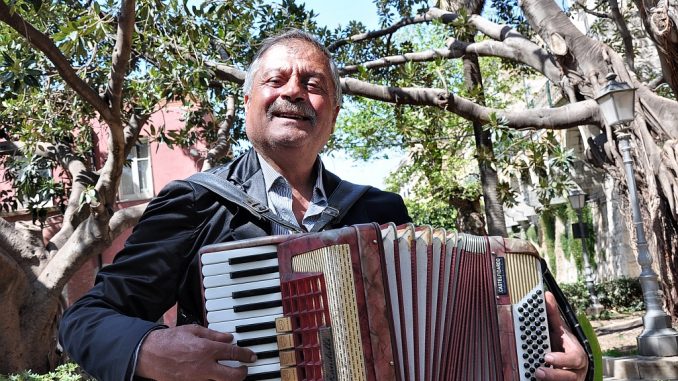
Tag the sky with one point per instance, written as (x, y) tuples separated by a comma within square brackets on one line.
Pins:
[(333, 14)]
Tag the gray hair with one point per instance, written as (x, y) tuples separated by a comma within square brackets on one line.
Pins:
[(284, 38)]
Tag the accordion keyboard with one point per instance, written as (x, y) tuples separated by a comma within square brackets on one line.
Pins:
[(242, 297)]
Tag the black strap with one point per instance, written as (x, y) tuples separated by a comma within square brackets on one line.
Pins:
[(232, 193), (339, 203)]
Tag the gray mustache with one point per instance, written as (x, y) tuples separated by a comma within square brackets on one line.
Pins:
[(282, 106)]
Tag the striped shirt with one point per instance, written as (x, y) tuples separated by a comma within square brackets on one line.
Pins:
[(279, 197)]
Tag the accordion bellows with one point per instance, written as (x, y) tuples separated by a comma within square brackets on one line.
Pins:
[(371, 302)]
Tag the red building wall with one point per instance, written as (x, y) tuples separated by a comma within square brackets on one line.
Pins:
[(166, 165)]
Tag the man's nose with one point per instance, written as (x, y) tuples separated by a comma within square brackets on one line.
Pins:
[(294, 90)]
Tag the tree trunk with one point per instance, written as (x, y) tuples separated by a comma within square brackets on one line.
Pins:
[(494, 210), (584, 62), (28, 325)]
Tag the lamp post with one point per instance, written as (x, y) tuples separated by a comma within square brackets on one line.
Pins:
[(658, 338), (578, 201)]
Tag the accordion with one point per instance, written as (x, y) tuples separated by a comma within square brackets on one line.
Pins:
[(370, 302)]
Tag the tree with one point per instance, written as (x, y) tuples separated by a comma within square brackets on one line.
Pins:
[(66, 66), (117, 62), (578, 64)]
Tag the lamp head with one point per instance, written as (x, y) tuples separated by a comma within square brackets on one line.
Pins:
[(617, 101)]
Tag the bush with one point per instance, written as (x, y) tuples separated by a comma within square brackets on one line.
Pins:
[(65, 372), (577, 295), (622, 295)]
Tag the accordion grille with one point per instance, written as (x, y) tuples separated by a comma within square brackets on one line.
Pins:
[(334, 262), (523, 276)]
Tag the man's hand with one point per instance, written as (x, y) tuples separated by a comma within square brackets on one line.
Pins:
[(190, 352), (568, 359)]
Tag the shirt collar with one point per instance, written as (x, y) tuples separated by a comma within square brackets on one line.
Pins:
[(271, 176)]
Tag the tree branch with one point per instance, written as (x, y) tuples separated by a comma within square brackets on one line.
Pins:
[(121, 55), (44, 44), (86, 241), (11, 241), (126, 218), (222, 146), (537, 59), (521, 48), (431, 14), (227, 73), (627, 39), (572, 115)]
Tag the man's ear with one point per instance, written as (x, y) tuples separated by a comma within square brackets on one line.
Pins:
[(334, 120), (336, 114), (247, 99)]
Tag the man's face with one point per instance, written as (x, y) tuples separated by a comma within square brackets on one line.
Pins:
[(291, 103)]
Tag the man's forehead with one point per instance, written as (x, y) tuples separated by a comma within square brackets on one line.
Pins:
[(276, 57)]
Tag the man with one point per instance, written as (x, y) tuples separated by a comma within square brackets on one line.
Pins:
[(292, 99)]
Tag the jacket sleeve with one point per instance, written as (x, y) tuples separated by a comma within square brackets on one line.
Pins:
[(102, 330)]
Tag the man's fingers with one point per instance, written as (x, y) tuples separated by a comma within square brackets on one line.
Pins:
[(554, 374), (552, 311), (572, 360), (209, 334), (235, 353), (227, 373)]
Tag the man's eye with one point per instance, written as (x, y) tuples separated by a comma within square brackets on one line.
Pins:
[(314, 85)]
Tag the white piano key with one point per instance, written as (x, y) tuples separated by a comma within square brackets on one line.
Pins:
[(225, 280), (230, 326), (227, 291), (226, 315), (226, 303), (251, 367), (224, 256)]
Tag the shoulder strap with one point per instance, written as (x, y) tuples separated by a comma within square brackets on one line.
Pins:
[(232, 193), (339, 203)]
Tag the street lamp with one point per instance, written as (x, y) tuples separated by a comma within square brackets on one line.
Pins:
[(617, 102), (578, 201)]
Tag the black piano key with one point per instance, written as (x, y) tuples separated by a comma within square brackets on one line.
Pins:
[(257, 306), (268, 354), (255, 327), (252, 258), (254, 272), (255, 292), (257, 341), (263, 376)]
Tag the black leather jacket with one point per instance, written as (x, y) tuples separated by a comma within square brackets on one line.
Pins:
[(158, 266)]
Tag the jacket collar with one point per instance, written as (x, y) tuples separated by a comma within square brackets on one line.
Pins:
[(245, 172)]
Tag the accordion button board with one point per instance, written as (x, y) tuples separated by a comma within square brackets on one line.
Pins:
[(367, 302)]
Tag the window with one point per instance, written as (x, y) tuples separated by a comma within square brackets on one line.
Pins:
[(137, 180)]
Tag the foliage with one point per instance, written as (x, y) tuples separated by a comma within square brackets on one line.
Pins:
[(571, 247), (621, 295), (172, 43), (65, 372)]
